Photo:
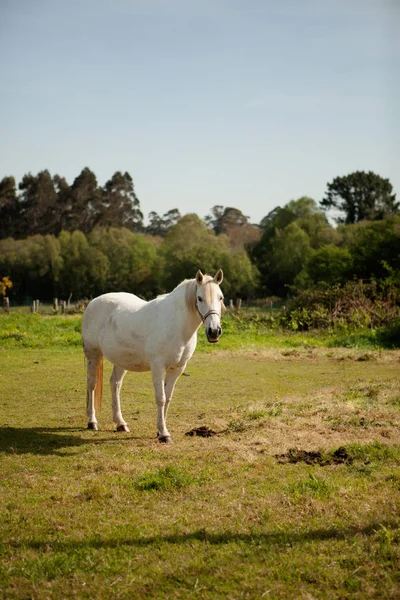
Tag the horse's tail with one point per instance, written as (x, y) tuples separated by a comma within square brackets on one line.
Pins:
[(98, 391)]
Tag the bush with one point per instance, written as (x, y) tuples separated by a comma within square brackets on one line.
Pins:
[(353, 306)]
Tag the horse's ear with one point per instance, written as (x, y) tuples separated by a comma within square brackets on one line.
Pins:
[(199, 277), (219, 276)]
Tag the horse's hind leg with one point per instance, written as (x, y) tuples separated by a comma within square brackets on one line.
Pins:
[(93, 364), (117, 377)]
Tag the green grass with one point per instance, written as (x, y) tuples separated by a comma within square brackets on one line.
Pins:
[(314, 486), (19, 330), (242, 331), (102, 515), (164, 478)]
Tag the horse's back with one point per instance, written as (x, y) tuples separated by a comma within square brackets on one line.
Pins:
[(99, 311)]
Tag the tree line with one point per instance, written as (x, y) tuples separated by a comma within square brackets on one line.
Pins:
[(58, 240)]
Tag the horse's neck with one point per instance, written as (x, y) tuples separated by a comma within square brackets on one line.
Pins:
[(189, 318)]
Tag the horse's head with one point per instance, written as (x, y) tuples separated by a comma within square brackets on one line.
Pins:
[(210, 303)]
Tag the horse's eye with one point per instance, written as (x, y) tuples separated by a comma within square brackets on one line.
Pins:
[(199, 299)]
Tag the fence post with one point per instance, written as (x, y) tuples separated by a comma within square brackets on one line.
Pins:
[(55, 305), (6, 304), (37, 303), (231, 304), (239, 303)]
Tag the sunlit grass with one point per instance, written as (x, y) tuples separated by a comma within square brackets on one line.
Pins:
[(104, 515), (240, 332)]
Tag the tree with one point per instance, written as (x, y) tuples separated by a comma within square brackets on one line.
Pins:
[(5, 284), (311, 219), (85, 268), (291, 249), (190, 246), (329, 265), (304, 208), (133, 260), (9, 208), (374, 247), (62, 205), (120, 205), (278, 218), (223, 219), (38, 200), (33, 264), (240, 276), (161, 225), (83, 207), (235, 225), (286, 243), (361, 196)]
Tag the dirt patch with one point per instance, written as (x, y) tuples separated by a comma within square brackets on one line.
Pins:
[(202, 431), (340, 456)]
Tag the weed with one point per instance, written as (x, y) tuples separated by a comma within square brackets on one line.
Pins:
[(256, 414), (236, 425), (313, 486), (375, 451), (164, 479)]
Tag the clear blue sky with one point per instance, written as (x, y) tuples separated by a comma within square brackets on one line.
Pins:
[(245, 103)]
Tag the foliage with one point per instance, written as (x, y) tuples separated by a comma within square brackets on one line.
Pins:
[(5, 284), (120, 205), (85, 268), (290, 235), (353, 306), (361, 196), (134, 265), (81, 240), (190, 245), (232, 223), (48, 205), (329, 265), (161, 225), (9, 208), (374, 247)]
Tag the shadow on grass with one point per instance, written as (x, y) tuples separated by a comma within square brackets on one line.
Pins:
[(217, 539), (51, 440)]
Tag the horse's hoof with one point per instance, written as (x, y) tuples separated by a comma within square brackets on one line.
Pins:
[(93, 426), (165, 439), (123, 428)]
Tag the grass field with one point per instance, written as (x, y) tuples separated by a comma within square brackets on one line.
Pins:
[(295, 495)]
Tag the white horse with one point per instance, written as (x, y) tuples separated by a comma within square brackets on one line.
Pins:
[(158, 336)]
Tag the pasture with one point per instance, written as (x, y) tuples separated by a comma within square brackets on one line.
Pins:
[(295, 493)]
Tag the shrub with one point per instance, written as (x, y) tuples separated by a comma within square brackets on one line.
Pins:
[(353, 306)]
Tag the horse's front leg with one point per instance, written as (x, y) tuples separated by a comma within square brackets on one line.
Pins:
[(158, 376), (116, 379), (170, 381)]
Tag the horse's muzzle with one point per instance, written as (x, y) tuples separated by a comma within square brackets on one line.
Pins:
[(213, 335)]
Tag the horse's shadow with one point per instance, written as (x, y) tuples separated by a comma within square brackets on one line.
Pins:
[(48, 440)]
